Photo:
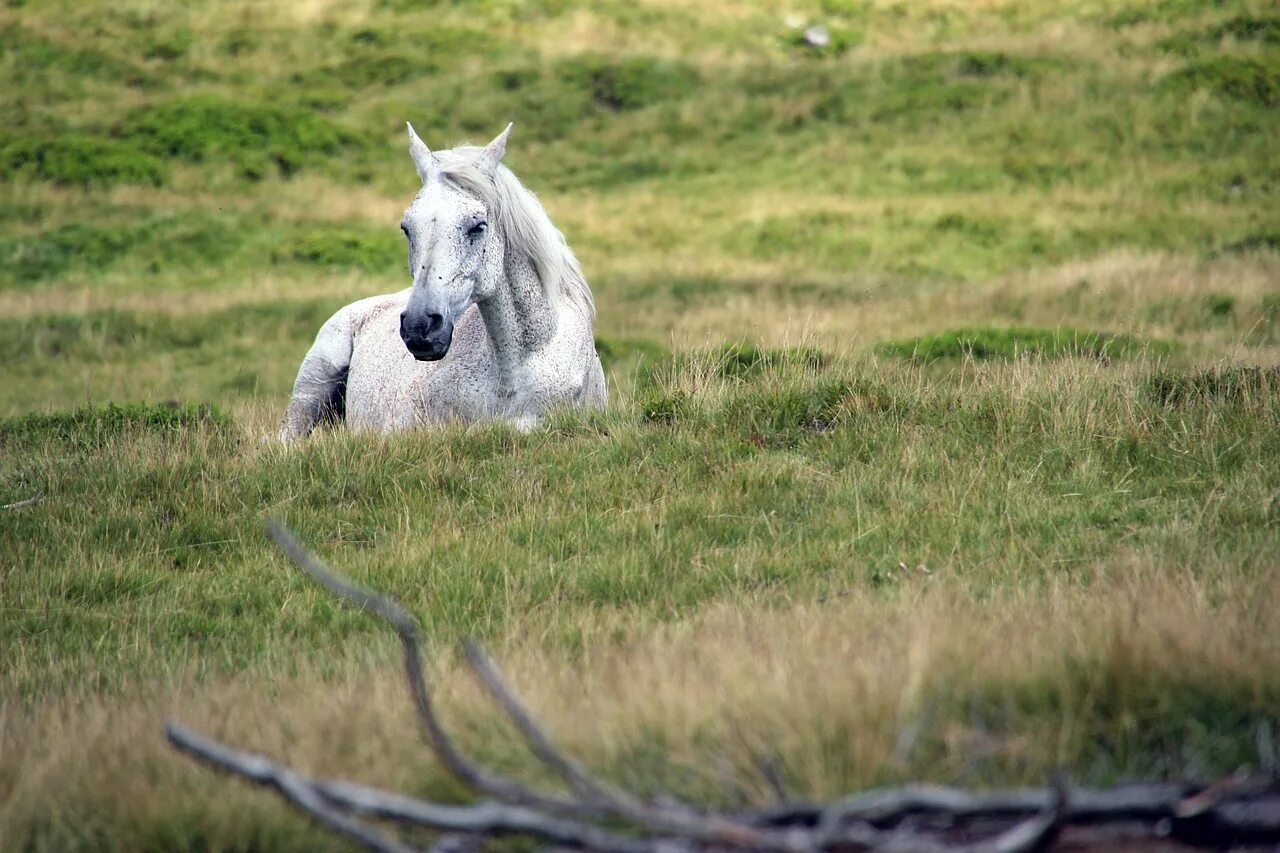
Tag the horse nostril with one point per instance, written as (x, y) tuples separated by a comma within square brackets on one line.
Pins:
[(434, 322)]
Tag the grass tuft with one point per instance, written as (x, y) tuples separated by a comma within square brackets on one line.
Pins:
[(743, 360), (336, 247), (115, 333), (77, 159), (90, 426), (28, 56), (631, 83), (1219, 305), (1230, 384), (387, 57), (622, 354), (1262, 242), (1252, 81), (170, 241), (1242, 28), (985, 344)]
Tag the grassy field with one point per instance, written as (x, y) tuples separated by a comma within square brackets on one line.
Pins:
[(944, 440)]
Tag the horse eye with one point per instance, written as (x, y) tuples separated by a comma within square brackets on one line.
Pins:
[(477, 229), (404, 229)]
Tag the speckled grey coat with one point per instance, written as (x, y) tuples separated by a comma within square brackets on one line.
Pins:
[(497, 324)]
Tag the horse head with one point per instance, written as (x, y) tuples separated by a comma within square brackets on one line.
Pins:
[(455, 253)]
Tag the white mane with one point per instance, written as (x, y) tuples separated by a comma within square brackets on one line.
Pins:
[(522, 223), (514, 363)]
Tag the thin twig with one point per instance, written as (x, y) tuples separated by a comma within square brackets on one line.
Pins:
[(1036, 833), (574, 774), (921, 818), (406, 627), (330, 802), (483, 818), (288, 783), (671, 818), (31, 501), (595, 800)]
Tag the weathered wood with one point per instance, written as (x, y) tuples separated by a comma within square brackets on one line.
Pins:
[(596, 817)]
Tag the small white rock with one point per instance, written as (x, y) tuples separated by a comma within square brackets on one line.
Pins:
[(817, 36)]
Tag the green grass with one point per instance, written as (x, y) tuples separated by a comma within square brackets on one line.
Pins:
[(1233, 384), (755, 473), (1008, 344), (1250, 80), (88, 247), (256, 138), (943, 436), (90, 426), (78, 159)]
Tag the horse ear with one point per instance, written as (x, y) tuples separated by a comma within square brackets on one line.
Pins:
[(423, 159), (491, 156)]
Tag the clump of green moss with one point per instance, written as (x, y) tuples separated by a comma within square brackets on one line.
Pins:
[(344, 248), (260, 139), (74, 158), (1242, 79), (1242, 28)]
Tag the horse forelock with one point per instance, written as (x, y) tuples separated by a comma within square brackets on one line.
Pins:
[(523, 224)]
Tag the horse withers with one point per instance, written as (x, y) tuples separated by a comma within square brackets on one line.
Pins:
[(496, 326)]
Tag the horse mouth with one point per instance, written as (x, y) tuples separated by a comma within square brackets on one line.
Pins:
[(429, 346), (428, 352)]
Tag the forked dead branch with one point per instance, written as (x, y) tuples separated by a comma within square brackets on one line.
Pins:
[(592, 815)]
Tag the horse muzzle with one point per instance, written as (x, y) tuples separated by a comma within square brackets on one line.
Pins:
[(426, 336)]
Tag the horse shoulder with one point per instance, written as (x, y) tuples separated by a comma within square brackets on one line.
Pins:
[(566, 371)]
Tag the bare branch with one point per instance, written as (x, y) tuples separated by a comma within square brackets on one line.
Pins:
[(921, 818), (1035, 833), (406, 627), (667, 818), (457, 843), (25, 502), (482, 819), (291, 785), (574, 774), (595, 800), (329, 802)]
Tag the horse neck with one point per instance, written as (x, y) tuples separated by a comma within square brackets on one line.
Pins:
[(519, 319)]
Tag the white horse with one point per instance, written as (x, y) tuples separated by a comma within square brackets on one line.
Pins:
[(497, 324)]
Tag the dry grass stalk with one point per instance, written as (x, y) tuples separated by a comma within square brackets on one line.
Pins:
[(919, 818)]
